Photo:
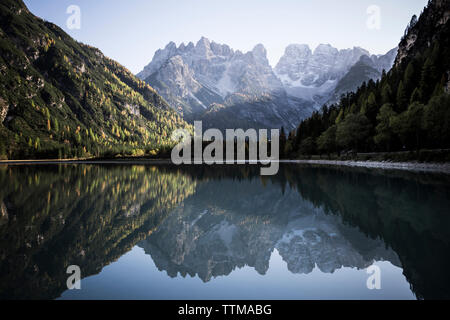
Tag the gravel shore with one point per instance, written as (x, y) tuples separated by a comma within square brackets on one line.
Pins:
[(410, 166)]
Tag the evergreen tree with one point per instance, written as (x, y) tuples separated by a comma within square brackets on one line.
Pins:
[(308, 146), (3, 155), (408, 125), (371, 107), (436, 121), (327, 140), (416, 96), (408, 79), (55, 125), (353, 131), (386, 94), (402, 99), (384, 130), (429, 75)]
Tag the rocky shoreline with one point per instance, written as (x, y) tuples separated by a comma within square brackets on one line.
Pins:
[(410, 166)]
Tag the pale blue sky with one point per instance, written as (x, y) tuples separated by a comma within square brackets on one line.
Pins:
[(131, 31)]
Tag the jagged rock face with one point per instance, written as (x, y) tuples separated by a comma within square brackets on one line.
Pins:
[(294, 61), (217, 67), (432, 26), (385, 62), (179, 80), (313, 76), (213, 239), (203, 80), (367, 68), (228, 89)]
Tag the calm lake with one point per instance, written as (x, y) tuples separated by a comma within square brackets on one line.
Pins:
[(222, 232)]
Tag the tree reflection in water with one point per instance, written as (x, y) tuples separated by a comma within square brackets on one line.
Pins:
[(210, 220)]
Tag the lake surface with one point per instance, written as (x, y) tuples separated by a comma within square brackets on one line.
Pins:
[(222, 232)]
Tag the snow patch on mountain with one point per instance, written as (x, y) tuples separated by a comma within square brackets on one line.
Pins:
[(314, 75), (196, 78)]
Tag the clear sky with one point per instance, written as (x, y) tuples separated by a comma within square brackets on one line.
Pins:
[(130, 31)]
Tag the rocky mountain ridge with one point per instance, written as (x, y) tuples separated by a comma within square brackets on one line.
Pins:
[(212, 82)]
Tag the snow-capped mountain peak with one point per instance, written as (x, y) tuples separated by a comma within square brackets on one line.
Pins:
[(218, 67), (312, 75), (209, 78)]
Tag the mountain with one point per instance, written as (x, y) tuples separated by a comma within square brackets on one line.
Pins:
[(225, 88), (61, 98), (228, 89), (367, 68), (323, 75), (213, 68), (312, 75), (431, 27), (408, 108)]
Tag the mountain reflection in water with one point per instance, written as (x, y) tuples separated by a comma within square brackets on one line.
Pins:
[(210, 221)]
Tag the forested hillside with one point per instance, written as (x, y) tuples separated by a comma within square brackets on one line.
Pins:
[(63, 99)]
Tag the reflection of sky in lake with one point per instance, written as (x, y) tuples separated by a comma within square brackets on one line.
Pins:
[(135, 276)]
